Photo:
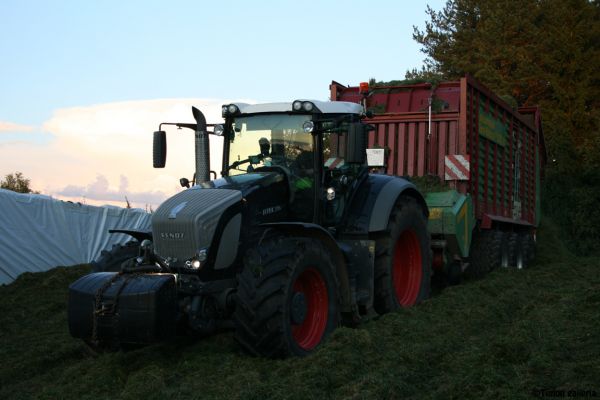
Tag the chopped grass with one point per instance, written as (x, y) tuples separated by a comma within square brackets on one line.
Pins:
[(501, 337)]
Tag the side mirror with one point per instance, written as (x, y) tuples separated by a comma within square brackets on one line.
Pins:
[(159, 149), (184, 182), (356, 143)]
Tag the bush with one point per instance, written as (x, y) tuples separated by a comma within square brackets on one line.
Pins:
[(573, 202)]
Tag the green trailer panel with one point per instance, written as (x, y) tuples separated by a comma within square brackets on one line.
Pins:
[(452, 215)]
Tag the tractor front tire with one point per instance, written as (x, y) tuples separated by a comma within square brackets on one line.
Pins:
[(403, 259), (287, 298), (111, 260)]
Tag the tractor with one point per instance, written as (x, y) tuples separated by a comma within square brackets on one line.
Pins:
[(294, 239)]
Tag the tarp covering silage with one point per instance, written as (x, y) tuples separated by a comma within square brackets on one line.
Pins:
[(38, 233)]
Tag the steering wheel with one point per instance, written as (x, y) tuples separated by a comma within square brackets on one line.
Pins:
[(286, 172)]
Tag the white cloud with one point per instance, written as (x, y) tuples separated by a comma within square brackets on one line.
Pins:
[(102, 153), (100, 190), (11, 127)]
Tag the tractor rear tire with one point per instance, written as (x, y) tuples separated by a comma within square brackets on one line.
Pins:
[(287, 299), (403, 259), (111, 260)]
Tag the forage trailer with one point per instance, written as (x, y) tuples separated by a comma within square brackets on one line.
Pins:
[(480, 160)]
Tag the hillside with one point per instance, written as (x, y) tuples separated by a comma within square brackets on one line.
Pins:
[(505, 336)]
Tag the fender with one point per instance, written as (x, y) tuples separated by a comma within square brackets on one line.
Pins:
[(137, 235), (370, 210), (303, 229)]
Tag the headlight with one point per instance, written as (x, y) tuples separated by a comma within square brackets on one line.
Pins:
[(308, 126), (330, 193), (198, 260), (194, 264), (202, 255), (304, 106), (229, 109), (218, 130), (308, 106)]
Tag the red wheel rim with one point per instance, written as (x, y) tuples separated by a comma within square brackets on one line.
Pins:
[(407, 271), (308, 334)]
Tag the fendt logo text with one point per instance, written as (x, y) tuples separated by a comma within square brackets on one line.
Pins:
[(171, 235)]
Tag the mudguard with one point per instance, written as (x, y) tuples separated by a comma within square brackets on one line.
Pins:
[(372, 205), (313, 230), (137, 235)]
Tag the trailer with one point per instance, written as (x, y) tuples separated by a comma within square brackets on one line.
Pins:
[(487, 160)]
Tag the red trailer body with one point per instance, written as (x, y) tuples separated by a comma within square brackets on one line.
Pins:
[(475, 141)]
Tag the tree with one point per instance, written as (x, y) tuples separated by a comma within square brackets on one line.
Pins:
[(17, 183), (539, 52)]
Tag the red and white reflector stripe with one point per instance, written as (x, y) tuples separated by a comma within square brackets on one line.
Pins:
[(333, 163), (457, 168)]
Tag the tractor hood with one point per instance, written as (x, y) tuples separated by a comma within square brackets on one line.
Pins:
[(185, 224), (246, 183)]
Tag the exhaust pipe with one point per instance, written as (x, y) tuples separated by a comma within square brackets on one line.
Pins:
[(202, 148)]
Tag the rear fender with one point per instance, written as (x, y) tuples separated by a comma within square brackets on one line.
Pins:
[(371, 208)]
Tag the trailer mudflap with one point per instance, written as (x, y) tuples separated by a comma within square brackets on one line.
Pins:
[(114, 308)]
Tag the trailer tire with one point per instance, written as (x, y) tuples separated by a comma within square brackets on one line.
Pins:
[(287, 299), (528, 244), (527, 248), (488, 252), (514, 251), (403, 259), (111, 260), (454, 274)]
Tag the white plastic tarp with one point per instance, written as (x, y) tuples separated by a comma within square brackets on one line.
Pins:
[(38, 233)]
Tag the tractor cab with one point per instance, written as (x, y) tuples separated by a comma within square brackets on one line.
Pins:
[(318, 146)]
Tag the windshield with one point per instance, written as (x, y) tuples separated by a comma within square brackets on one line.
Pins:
[(270, 140)]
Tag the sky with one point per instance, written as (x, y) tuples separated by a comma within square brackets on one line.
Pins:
[(83, 84)]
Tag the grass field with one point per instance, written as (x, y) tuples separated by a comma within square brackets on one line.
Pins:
[(506, 336)]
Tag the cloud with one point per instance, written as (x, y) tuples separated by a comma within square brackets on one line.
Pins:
[(11, 127), (100, 190), (107, 148)]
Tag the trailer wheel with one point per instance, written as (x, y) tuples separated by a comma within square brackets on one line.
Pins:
[(111, 260), (488, 252), (513, 251), (287, 299), (528, 245), (403, 259)]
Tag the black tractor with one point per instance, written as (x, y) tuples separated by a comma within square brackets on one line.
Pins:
[(294, 239)]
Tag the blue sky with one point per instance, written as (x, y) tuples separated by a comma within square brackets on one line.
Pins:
[(60, 56)]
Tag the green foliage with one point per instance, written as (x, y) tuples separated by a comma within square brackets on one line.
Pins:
[(17, 183), (538, 52), (500, 337), (575, 209), (543, 53)]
